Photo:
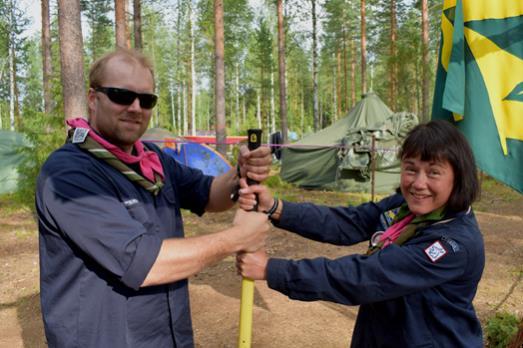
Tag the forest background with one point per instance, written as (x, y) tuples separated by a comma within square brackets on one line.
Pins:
[(334, 51)]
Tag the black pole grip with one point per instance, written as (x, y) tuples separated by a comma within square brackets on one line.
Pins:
[(254, 142)]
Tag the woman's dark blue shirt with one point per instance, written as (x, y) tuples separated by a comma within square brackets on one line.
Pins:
[(415, 295)]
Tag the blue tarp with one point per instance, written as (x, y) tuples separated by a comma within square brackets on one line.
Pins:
[(200, 156)]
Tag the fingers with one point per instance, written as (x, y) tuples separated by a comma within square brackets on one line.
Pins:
[(252, 265), (255, 164)]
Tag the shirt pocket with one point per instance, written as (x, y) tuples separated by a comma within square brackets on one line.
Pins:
[(139, 213)]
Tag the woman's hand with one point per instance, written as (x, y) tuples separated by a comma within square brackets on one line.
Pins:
[(253, 265), (248, 195)]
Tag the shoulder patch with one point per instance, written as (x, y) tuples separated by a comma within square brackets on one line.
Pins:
[(79, 135), (386, 218), (435, 251), (453, 244)]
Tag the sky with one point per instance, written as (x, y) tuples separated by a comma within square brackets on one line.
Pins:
[(32, 9)]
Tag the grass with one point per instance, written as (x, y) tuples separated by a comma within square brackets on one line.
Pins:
[(9, 205)]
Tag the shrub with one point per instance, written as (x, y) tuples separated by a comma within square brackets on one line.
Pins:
[(500, 329), (46, 133)]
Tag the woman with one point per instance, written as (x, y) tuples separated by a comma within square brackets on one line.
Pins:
[(416, 283)]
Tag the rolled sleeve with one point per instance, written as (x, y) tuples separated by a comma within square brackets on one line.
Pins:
[(147, 250)]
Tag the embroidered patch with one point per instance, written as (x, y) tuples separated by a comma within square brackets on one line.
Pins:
[(130, 202), (435, 251), (453, 244), (79, 135), (387, 218)]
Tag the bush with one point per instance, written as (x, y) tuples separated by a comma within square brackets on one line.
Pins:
[(46, 133), (500, 329)]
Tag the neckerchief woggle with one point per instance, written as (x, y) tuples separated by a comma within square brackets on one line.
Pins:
[(86, 138)]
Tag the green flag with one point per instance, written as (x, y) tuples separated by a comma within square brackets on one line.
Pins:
[(479, 82)]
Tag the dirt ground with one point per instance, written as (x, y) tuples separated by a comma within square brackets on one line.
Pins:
[(278, 321)]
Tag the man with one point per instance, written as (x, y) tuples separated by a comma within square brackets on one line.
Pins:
[(113, 260)]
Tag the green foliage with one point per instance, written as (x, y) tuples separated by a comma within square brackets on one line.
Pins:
[(101, 36), (500, 329), (46, 133)]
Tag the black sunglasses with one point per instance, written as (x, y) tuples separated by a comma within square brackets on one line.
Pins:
[(126, 97)]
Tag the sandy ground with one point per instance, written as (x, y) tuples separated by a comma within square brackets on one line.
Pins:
[(215, 292)]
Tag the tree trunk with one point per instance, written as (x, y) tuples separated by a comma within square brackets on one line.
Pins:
[(363, 50), (353, 73), (173, 111), (334, 94), (339, 91), (46, 57), (425, 56), (193, 73), (281, 70), (237, 99), (344, 103), (258, 109), (221, 132), (188, 102), (393, 70), (14, 112), (71, 58), (272, 123), (314, 69), (302, 112), (177, 70), (179, 102), (12, 77), (120, 23), (137, 21), (184, 114)]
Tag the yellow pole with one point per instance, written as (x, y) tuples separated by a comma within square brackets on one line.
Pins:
[(247, 296), (246, 304)]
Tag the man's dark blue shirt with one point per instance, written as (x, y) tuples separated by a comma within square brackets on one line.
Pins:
[(99, 237)]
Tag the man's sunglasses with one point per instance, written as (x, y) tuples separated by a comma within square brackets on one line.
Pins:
[(126, 97)]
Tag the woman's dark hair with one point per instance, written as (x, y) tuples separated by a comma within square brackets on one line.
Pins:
[(440, 141)]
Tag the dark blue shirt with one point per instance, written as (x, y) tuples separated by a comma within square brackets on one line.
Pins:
[(415, 295), (99, 237)]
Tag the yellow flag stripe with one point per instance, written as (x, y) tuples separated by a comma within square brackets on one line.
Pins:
[(491, 9), (501, 72), (448, 4), (446, 48)]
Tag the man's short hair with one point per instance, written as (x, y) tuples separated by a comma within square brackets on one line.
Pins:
[(97, 71)]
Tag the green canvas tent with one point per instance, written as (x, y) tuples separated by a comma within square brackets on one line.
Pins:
[(10, 158), (339, 156)]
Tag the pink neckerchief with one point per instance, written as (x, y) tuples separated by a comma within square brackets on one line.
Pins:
[(393, 232), (149, 160)]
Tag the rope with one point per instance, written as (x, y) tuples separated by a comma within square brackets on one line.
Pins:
[(297, 146)]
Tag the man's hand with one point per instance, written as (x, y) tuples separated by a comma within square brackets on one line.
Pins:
[(251, 230), (255, 164), (252, 265)]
